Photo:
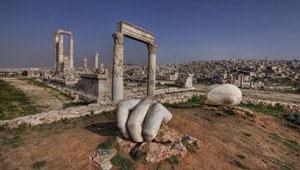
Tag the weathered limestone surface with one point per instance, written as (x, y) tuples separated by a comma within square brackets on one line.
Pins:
[(185, 80), (59, 64), (224, 94), (118, 70), (126, 29), (60, 52), (151, 69), (56, 41), (84, 64), (135, 32), (96, 61), (98, 85), (144, 121), (71, 50)]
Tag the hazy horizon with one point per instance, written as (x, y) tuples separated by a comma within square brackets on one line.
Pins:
[(185, 31)]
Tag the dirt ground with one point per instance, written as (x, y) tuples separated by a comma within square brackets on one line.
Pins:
[(48, 97), (223, 143)]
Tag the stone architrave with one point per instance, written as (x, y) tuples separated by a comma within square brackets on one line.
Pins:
[(129, 30), (118, 70), (96, 61), (151, 69)]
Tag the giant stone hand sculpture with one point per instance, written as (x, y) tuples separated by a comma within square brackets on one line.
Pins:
[(144, 121)]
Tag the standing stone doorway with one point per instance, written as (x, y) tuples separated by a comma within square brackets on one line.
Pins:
[(62, 63), (131, 31)]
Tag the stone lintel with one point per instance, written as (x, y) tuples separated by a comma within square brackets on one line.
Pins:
[(135, 32), (59, 31)]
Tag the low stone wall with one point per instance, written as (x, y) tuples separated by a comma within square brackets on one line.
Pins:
[(78, 111)]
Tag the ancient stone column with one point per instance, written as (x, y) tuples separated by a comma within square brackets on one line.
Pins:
[(118, 70), (96, 61), (71, 50), (84, 64), (60, 52), (101, 68), (56, 40), (151, 69)]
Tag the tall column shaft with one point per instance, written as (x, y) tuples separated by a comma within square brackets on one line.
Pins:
[(84, 64), (118, 70), (151, 69), (56, 40), (60, 52), (71, 51), (96, 61)]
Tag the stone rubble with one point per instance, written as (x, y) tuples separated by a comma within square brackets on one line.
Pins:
[(165, 145)]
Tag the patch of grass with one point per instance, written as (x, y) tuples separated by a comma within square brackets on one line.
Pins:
[(194, 100), (36, 83), (239, 164), (15, 141), (270, 110), (110, 115), (107, 144), (282, 164), (173, 161), (230, 112), (289, 143), (125, 163), (136, 154), (241, 156), (191, 147), (196, 114), (15, 103), (247, 134), (217, 114), (39, 164), (205, 118), (264, 126)]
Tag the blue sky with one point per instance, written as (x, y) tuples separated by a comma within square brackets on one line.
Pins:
[(184, 30)]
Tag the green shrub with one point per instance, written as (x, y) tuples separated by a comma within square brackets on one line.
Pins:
[(137, 154), (14, 141), (125, 164), (24, 73), (293, 117), (107, 144), (38, 164), (173, 161)]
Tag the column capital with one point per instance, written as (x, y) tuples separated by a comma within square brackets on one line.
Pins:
[(152, 48), (56, 34), (118, 38), (71, 36)]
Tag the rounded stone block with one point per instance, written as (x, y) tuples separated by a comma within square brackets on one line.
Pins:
[(224, 94)]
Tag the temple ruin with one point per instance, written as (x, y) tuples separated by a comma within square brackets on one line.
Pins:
[(131, 31), (61, 62)]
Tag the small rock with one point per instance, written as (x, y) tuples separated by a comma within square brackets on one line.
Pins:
[(103, 155), (106, 165)]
